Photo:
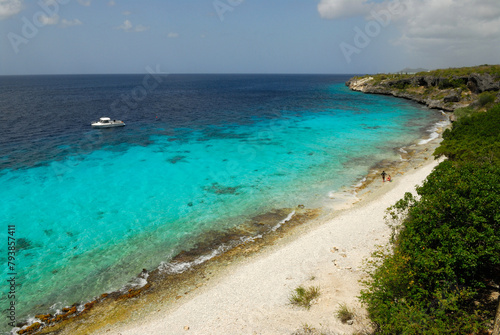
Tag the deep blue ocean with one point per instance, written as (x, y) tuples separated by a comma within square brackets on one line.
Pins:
[(93, 207)]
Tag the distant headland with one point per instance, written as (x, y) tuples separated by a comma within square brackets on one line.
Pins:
[(447, 89)]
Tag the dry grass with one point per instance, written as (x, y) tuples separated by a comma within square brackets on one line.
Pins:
[(303, 297), (344, 313)]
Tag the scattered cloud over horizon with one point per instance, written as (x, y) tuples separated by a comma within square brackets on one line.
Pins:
[(426, 19), (420, 33), (430, 27), (450, 20), (335, 9), (69, 23), (49, 20), (10, 8), (127, 26)]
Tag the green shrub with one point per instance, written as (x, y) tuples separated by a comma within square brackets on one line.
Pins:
[(432, 279), (344, 313), (486, 98), (442, 258), (463, 112), (453, 231), (445, 83), (494, 70), (401, 85), (474, 138), (303, 297), (458, 83)]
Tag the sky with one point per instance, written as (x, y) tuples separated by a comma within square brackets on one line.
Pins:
[(245, 36)]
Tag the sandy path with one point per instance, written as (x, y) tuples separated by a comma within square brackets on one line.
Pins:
[(254, 298)]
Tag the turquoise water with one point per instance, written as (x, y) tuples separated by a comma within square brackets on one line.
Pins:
[(90, 221)]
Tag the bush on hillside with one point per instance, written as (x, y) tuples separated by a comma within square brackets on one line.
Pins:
[(475, 138), (442, 259), (486, 98), (435, 276)]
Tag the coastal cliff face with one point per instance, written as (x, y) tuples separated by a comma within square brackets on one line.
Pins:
[(447, 90)]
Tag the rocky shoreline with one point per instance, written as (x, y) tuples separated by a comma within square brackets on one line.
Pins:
[(435, 89), (166, 287)]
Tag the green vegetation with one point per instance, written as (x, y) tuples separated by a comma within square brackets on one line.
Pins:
[(475, 138), (303, 297), (486, 98), (494, 70), (344, 313), (439, 271), (463, 112), (454, 76), (446, 87)]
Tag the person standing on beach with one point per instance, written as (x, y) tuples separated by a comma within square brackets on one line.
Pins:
[(383, 175)]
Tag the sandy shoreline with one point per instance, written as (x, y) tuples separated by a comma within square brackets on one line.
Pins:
[(252, 298)]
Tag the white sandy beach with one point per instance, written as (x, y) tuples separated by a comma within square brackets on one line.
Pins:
[(254, 298)]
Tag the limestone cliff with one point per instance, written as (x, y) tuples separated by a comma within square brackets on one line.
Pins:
[(442, 89)]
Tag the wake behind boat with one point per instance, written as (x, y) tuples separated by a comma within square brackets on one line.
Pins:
[(106, 122)]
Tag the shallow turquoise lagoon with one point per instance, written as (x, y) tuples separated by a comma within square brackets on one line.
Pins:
[(88, 222)]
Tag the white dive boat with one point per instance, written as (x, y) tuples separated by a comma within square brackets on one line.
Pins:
[(106, 122)]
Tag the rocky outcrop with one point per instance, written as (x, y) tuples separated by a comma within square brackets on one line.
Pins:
[(445, 93), (482, 83), (455, 96)]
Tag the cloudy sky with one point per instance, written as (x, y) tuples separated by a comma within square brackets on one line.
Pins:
[(245, 36)]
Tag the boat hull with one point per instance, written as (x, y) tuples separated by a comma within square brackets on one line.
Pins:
[(108, 125)]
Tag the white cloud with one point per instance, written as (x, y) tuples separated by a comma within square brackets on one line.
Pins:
[(333, 9), (465, 31), (69, 23), (9, 8), (49, 20), (126, 26), (129, 27), (173, 35), (126, 13), (445, 28), (451, 19), (111, 3), (425, 18)]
